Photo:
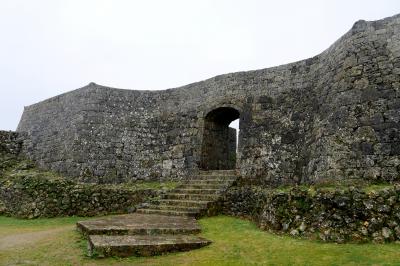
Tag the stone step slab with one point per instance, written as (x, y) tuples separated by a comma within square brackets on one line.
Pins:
[(168, 212), (173, 207), (125, 246), (205, 177), (218, 172), (189, 203), (194, 185), (218, 182), (204, 197), (139, 224), (196, 191)]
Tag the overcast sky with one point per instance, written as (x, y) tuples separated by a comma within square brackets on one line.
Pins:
[(50, 47)]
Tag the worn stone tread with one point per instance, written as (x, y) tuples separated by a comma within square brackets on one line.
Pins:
[(142, 245), (141, 224), (173, 207), (212, 177), (197, 203), (201, 186), (210, 197), (169, 212), (196, 190), (218, 172)]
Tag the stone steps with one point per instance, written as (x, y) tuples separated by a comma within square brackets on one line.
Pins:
[(139, 224), (161, 225), (215, 177), (218, 172), (218, 182), (188, 203), (202, 197), (174, 207), (169, 212), (195, 191), (126, 245), (200, 186)]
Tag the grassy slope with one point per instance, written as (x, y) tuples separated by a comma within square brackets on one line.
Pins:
[(236, 242)]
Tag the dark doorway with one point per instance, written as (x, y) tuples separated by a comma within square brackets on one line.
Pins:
[(219, 140)]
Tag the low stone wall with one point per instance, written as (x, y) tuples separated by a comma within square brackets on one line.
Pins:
[(33, 197), (9, 142), (332, 215), (10, 147)]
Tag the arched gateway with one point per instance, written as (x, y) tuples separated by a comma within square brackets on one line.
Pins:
[(219, 140)]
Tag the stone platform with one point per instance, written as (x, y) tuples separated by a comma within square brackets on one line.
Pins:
[(140, 224), (164, 225), (144, 245)]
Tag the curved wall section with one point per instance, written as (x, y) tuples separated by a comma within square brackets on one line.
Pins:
[(333, 116)]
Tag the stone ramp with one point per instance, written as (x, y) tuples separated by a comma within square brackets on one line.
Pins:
[(164, 225)]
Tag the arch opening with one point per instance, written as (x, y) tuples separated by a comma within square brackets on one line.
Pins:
[(220, 139)]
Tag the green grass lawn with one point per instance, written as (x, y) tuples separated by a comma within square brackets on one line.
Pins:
[(236, 242)]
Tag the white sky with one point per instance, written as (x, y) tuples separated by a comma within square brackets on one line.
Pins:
[(50, 47)]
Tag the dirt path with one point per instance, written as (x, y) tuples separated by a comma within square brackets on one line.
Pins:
[(22, 239)]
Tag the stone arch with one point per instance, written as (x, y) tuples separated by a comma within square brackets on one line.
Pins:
[(218, 150)]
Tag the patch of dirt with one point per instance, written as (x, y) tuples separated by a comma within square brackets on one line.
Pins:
[(22, 239)]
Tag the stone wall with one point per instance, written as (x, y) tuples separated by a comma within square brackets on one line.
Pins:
[(10, 148), (27, 192), (33, 197), (10, 143), (333, 116), (332, 215)]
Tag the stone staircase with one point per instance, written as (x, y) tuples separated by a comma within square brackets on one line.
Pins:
[(195, 198), (166, 224)]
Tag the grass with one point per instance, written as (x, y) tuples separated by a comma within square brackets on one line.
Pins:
[(235, 242)]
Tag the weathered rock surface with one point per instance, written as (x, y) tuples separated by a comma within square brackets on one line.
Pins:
[(140, 224), (141, 235), (143, 245), (33, 197), (330, 214)]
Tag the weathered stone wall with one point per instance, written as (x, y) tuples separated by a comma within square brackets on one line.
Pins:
[(337, 215), (10, 148), (10, 143), (333, 116), (27, 192), (33, 197)]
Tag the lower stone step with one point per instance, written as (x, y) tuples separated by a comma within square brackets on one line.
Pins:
[(189, 203), (218, 182), (191, 185), (205, 197), (168, 212), (195, 191), (218, 172), (213, 177), (173, 207), (139, 224), (125, 246)]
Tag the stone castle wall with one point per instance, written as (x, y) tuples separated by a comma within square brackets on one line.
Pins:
[(333, 116)]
